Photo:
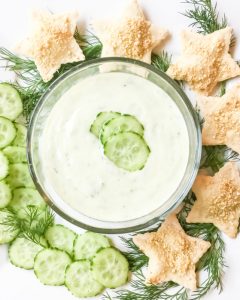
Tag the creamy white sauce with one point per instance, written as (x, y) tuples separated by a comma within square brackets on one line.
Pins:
[(73, 160)]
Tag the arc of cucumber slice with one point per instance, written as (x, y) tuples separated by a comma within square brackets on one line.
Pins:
[(7, 234), (7, 132), (22, 252), (5, 194), (101, 118), (21, 135), (80, 281), (15, 154), (10, 102), (50, 266), (87, 244), (24, 197), (3, 166), (127, 150), (110, 268), (61, 237), (122, 123), (19, 176)]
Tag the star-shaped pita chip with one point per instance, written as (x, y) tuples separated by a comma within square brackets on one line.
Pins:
[(51, 43), (218, 200), (221, 119), (172, 254), (205, 60), (131, 36)]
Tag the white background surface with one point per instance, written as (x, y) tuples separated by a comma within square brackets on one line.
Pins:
[(18, 284)]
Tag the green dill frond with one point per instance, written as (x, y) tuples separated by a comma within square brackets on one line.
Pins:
[(204, 16), (222, 88), (33, 225), (90, 45), (135, 257), (214, 157), (161, 61), (16, 63)]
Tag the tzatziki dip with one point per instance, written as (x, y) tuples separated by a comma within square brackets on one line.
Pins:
[(73, 159)]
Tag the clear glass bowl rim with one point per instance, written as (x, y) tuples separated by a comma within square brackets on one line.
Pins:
[(141, 225)]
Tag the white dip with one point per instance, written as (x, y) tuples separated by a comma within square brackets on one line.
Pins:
[(73, 160)]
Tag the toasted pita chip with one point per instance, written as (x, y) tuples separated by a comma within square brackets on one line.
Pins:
[(51, 42), (205, 60), (172, 254), (221, 119), (218, 200), (132, 36)]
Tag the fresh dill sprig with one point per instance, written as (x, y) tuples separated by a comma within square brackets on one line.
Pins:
[(212, 263), (161, 61), (205, 16), (214, 157), (28, 80), (33, 225), (135, 257), (90, 45), (222, 88)]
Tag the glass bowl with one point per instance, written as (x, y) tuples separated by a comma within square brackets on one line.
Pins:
[(63, 84)]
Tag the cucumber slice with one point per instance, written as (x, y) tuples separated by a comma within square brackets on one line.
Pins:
[(5, 194), (22, 253), (124, 123), (87, 244), (110, 268), (101, 118), (24, 197), (21, 135), (80, 282), (7, 132), (3, 166), (50, 266), (19, 176), (15, 154), (10, 102), (7, 234), (127, 150), (60, 237)]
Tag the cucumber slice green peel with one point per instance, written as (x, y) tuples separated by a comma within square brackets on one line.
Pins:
[(127, 150), (6, 235), (100, 120), (124, 123), (15, 154), (86, 245), (122, 137), (50, 266), (7, 132), (4, 166), (61, 237), (21, 135), (5, 194), (10, 102), (110, 268), (19, 176), (24, 197), (80, 281), (22, 252)]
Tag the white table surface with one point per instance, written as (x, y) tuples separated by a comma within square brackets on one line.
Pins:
[(18, 284)]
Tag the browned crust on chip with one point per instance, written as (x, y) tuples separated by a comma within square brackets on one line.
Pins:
[(205, 60), (132, 36), (172, 254), (218, 200)]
